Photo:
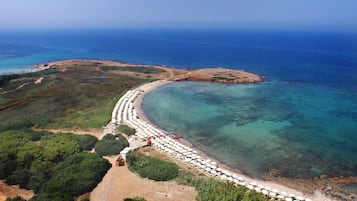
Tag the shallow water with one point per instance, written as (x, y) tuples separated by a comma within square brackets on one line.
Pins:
[(302, 121), (300, 130)]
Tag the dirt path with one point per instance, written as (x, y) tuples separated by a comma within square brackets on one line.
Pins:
[(12, 191), (96, 132), (120, 183)]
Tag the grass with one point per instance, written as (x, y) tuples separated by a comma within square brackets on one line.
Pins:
[(64, 99), (137, 69), (151, 167), (126, 130)]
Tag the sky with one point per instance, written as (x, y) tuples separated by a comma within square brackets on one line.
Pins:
[(177, 13)]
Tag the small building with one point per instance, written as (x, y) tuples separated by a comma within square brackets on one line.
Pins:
[(124, 152)]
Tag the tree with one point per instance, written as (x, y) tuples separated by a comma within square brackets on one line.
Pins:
[(111, 145), (78, 174), (126, 130)]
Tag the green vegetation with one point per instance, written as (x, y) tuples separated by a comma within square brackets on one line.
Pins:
[(134, 199), (85, 142), (17, 198), (4, 79), (77, 174), (137, 69), (126, 130), (63, 99), (111, 145), (151, 167), (215, 190), (50, 164)]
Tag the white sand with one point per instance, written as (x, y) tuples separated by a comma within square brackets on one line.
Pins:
[(146, 88)]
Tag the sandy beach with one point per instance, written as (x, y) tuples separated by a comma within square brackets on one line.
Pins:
[(146, 88)]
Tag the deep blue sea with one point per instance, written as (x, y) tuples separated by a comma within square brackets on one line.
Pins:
[(301, 122)]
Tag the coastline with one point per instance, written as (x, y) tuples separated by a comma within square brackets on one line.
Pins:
[(147, 88)]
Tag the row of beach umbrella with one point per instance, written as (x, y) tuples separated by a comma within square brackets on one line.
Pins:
[(125, 112)]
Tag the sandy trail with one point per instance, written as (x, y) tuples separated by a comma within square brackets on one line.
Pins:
[(13, 191), (120, 183)]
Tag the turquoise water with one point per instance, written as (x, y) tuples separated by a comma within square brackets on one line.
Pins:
[(299, 129), (302, 121)]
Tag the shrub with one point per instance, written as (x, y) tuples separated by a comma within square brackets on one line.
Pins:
[(85, 142), (134, 199), (111, 145), (52, 196), (215, 190), (17, 198), (151, 167), (77, 174), (126, 130)]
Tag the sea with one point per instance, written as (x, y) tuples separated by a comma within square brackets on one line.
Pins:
[(300, 123)]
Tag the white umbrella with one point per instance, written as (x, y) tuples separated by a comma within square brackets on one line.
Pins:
[(265, 192), (267, 188), (275, 191), (288, 199), (250, 187), (272, 194), (257, 189), (260, 186), (230, 179), (292, 195), (280, 197), (299, 198), (253, 183), (224, 177), (242, 183), (219, 170)]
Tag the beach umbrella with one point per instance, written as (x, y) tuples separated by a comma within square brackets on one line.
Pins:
[(213, 172), (265, 192), (288, 199), (250, 187), (260, 186), (257, 189), (280, 197), (267, 188), (230, 179), (224, 177), (253, 183), (213, 163), (292, 195), (272, 194), (242, 183), (235, 181), (299, 198), (208, 169), (275, 191), (219, 170)]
